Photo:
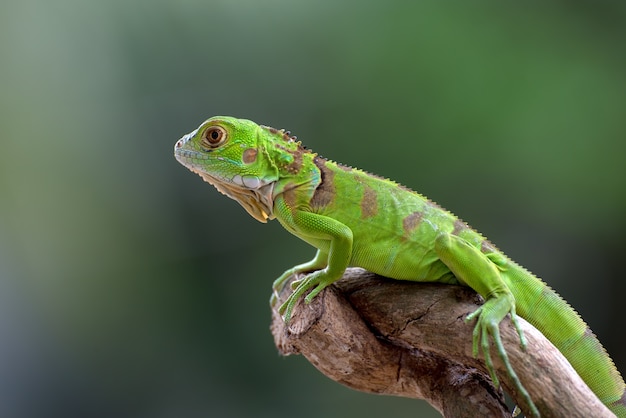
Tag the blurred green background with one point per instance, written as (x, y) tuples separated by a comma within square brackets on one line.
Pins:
[(130, 288)]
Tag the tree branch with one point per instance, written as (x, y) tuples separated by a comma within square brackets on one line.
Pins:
[(409, 339)]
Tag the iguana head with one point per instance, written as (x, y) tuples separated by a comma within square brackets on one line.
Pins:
[(241, 159)]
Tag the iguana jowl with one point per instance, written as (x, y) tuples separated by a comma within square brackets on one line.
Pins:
[(354, 218)]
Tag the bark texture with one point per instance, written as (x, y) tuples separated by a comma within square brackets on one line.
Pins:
[(409, 339)]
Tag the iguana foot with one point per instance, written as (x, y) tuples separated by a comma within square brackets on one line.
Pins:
[(319, 279), (318, 263), (488, 318)]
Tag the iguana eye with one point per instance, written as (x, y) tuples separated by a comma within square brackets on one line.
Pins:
[(214, 137)]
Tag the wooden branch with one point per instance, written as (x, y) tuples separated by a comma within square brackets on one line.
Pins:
[(409, 339)]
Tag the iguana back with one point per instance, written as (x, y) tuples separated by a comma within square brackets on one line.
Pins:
[(395, 230)]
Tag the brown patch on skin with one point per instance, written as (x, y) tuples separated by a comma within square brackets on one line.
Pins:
[(412, 221), (345, 167), (428, 202), (286, 135), (406, 189), (297, 154), (369, 204), (325, 191), (290, 196), (459, 226), (487, 247), (622, 400), (249, 155), (296, 165), (589, 334)]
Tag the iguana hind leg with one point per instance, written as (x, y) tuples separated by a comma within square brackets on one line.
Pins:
[(477, 271)]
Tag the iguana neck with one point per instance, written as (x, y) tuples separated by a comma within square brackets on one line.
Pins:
[(256, 200)]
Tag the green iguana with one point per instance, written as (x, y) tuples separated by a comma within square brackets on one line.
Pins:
[(354, 218)]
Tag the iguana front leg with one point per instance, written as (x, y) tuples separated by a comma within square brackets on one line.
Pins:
[(334, 242), (319, 262), (476, 270)]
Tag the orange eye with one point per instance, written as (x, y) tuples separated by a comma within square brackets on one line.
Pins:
[(214, 137)]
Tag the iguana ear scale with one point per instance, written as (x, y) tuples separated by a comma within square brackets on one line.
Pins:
[(249, 155)]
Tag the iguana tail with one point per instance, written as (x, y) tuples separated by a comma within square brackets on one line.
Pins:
[(560, 323)]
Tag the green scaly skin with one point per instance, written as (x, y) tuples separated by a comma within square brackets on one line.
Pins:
[(357, 219)]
